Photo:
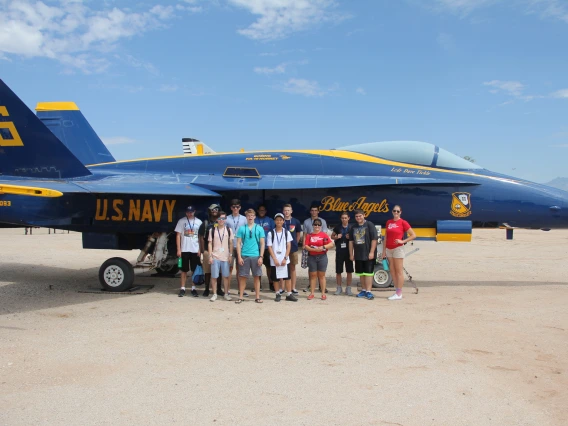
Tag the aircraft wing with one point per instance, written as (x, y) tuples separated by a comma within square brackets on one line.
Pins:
[(218, 183), (121, 184)]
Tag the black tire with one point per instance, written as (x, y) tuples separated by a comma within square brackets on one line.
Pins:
[(116, 274), (381, 278), (167, 270)]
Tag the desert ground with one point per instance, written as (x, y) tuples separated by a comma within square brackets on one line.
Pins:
[(484, 342)]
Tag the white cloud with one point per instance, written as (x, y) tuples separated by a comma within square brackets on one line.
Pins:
[(117, 140), (461, 7), (512, 88), (71, 32), (278, 69), (280, 18), (309, 88), (169, 88), (560, 94), (360, 91)]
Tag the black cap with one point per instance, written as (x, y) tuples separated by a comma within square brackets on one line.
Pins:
[(190, 209)]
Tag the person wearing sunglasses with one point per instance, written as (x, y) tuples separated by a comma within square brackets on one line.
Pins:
[(317, 244), (213, 214), (221, 249), (393, 249), (363, 239), (234, 221)]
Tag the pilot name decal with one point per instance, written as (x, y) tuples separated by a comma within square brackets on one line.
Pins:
[(134, 210), (461, 204), (9, 136), (336, 204), (267, 157)]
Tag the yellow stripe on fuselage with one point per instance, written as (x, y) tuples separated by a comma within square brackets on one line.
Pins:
[(31, 191), (346, 155), (420, 232), (57, 106), (454, 237)]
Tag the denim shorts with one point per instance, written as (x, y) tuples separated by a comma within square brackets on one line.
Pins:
[(251, 265), (317, 263), (219, 266)]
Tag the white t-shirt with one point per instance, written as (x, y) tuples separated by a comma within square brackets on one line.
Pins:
[(279, 244), (235, 223), (188, 229)]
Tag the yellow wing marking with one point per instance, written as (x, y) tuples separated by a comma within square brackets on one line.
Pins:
[(29, 190)]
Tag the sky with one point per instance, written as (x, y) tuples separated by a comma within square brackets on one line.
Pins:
[(486, 79)]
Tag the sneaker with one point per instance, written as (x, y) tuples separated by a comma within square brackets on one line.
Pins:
[(213, 298), (395, 297), (221, 293), (348, 291), (181, 293), (291, 298), (295, 292), (369, 296), (306, 290), (194, 293), (280, 292), (310, 297), (245, 294), (205, 293), (362, 293), (278, 297), (338, 291), (227, 297), (323, 297)]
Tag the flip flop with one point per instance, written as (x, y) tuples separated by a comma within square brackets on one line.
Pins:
[(239, 301), (258, 300)]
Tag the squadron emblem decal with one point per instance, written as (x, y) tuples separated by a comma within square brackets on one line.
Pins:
[(461, 204)]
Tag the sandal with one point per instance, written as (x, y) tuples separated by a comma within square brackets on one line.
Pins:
[(323, 297), (310, 297), (258, 300), (239, 301)]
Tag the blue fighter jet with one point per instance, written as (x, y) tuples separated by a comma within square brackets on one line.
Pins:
[(55, 172)]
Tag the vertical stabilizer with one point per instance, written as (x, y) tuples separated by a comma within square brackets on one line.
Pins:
[(27, 147), (71, 127)]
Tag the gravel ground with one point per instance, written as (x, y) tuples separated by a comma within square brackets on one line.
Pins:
[(483, 343)]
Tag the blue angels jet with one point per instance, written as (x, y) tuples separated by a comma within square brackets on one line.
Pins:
[(55, 172)]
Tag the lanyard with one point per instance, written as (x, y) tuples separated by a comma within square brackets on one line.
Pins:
[(279, 241), (236, 225), (190, 225), (218, 233), (344, 231)]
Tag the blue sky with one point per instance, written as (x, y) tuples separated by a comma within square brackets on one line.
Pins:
[(484, 78)]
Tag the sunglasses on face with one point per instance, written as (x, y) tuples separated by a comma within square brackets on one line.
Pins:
[(216, 209), (222, 218), (235, 207), (396, 211), (317, 224)]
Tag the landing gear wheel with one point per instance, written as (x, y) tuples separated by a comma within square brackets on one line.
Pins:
[(381, 278), (167, 270), (116, 274)]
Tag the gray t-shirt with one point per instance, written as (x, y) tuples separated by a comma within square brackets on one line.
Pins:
[(308, 225), (235, 223)]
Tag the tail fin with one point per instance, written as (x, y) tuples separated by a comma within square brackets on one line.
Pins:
[(67, 122), (27, 147)]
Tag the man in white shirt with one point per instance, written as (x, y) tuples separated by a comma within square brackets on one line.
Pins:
[(234, 221), (187, 244)]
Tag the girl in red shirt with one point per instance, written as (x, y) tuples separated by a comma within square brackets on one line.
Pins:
[(317, 244), (393, 249)]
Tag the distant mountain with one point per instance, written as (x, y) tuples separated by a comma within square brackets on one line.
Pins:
[(559, 182)]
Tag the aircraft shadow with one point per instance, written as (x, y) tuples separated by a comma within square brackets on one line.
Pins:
[(26, 288)]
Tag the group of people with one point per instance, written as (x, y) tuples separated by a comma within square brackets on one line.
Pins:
[(225, 242)]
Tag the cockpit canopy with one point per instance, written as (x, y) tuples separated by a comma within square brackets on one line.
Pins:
[(413, 152)]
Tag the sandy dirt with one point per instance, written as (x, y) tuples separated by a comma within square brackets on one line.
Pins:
[(485, 342)]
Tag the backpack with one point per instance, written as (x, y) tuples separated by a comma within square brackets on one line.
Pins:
[(212, 239), (272, 234)]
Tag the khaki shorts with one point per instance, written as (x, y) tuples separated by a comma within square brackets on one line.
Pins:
[(294, 258), (397, 253), (206, 265)]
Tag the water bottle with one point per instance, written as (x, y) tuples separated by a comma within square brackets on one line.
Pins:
[(385, 264), (179, 262)]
